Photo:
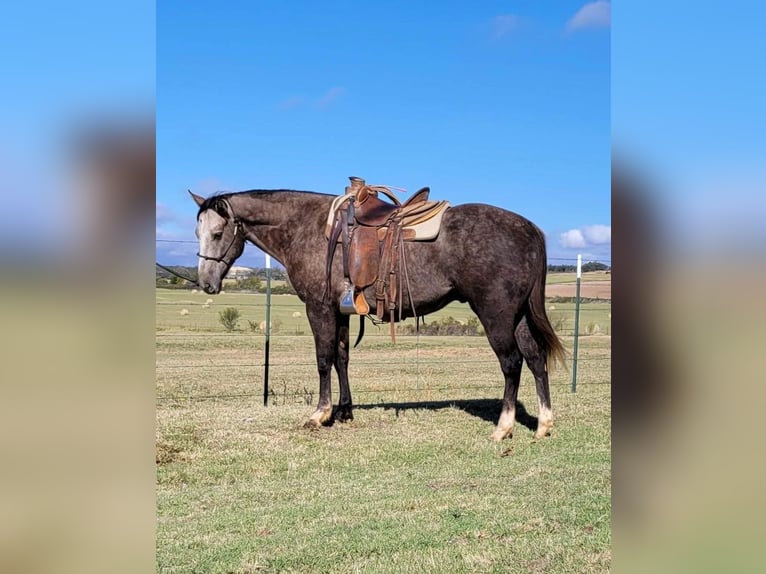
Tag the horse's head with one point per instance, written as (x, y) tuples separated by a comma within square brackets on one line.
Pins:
[(221, 241)]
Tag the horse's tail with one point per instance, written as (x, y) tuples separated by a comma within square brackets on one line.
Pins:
[(539, 322)]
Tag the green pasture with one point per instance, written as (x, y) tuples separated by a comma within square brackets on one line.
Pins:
[(413, 484), (190, 311)]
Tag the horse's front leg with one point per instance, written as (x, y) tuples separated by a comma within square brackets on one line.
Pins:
[(323, 324), (345, 409)]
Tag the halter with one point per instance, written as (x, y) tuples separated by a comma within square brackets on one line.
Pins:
[(222, 258)]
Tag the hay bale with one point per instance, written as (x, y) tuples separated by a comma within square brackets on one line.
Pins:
[(184, 312), (296, 314)]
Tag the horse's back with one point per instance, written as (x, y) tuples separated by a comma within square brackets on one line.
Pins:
[(481, 245), (487, 228)]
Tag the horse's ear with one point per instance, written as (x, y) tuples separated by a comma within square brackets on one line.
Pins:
[(197, 199)]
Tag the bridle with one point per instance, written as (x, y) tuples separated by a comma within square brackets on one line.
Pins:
[(222, 258)]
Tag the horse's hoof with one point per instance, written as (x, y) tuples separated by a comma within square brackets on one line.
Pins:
[(543, 431), (499, 435), (320, 417), (344, 416)]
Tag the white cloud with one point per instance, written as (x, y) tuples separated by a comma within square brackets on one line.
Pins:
[(504, 24), (572, 239), (169, 224), (327, 99), (290, 103), (587, 236), (162, 213), (330, 96), (597, 234), (593, 15), (166, 218)]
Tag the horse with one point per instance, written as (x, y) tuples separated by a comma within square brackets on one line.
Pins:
[(491, 258)]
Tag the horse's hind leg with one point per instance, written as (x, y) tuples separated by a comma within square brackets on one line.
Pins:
[(510, 363), (536, 359), (345, 409), (503, 342)]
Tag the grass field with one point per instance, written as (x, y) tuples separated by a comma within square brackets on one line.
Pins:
[(411, 485), (187, 311)]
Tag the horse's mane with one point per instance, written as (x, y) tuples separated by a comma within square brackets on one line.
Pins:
[(217, 201)]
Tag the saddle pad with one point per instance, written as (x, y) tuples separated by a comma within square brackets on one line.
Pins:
[(425, 226), (420, 224)]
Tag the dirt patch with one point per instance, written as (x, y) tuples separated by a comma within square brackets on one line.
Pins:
[(589, 289), (167, 453)]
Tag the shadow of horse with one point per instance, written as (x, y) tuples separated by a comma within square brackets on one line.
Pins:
[(485, 409)]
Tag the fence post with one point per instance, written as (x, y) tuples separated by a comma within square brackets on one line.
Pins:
[(268, 333), (577, 324)]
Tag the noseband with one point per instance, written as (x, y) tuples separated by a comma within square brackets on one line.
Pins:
[(222, 258)]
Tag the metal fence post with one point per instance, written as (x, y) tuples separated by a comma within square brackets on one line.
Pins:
[(577, 324), (268, 333)]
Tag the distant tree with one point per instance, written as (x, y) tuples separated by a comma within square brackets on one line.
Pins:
[(285, 289), (562, 268), (594, 266), (589, 266), (252, 283)]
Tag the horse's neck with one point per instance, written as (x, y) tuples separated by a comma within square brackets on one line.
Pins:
[(274, 221)]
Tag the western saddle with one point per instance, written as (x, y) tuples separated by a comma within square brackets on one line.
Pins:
[(372, 233)]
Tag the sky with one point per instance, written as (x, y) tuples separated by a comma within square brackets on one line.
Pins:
[(688, 95), (504, 103), (67, 70)]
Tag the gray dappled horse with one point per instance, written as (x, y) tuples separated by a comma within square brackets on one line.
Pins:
[(489, 257)]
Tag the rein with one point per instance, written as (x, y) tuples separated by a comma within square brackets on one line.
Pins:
[(180, 275)]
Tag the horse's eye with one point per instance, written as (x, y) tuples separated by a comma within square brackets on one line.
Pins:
[(217, 235)]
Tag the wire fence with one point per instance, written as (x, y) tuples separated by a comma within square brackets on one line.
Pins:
[(561, 314), (190, 356), (293, 360)]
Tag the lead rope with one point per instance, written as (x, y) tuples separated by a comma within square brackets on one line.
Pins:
[(169, 270)]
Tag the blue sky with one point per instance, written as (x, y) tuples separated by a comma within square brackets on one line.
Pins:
[(688, 95), (506, 103), (66, 69)]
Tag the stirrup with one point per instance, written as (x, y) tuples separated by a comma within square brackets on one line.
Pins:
[(347, 300)]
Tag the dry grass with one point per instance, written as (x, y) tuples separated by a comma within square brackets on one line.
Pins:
[(411, 485)]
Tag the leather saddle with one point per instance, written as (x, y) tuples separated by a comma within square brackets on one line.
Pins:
[(372, 232)]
